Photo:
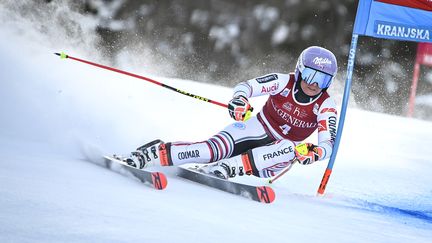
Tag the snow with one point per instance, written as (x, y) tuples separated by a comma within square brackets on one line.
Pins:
[(56, 113), (266, 16), (280, 34), (425, 100), (224, 36)]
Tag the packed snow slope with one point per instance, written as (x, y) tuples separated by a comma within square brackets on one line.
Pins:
[(56, 114)]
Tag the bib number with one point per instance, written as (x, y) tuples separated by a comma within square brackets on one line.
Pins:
[(285, 129)]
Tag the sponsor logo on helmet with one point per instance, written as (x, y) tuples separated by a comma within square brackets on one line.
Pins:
[(267, 78), (320, 61), (278, 153)]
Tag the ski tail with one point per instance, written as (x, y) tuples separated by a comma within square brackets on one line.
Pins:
[(265, 194), (159, 180)]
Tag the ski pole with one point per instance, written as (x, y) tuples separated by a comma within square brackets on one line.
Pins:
[(302, 149), (65, 56), (285, 170)]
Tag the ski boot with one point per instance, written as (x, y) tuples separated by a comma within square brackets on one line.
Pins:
[(231, 167), (151, 154)]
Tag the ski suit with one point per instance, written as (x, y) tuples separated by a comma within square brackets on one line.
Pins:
[(269, 137)]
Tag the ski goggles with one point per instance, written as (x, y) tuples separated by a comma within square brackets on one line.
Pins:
[(311, 76)]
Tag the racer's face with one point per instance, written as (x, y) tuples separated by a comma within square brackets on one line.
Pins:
[(310, 89)]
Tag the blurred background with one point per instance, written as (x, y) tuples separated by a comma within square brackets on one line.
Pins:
[(225, 42)]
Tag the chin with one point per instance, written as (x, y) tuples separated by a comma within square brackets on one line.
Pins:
[(312, 93)]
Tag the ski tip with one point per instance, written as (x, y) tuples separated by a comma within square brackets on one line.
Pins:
[(62, 55), (160, 181), (266, 194)]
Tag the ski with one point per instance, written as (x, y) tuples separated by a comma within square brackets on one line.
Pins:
[(263, 194), (157, 179)]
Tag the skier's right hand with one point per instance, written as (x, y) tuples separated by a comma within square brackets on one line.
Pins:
[(239, 108)]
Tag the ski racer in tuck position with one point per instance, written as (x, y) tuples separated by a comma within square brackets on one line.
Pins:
[(263, 145)]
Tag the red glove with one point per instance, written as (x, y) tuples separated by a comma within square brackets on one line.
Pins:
[(307, 153), (238, 107)]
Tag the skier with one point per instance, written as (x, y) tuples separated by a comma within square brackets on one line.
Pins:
[(298, 104)]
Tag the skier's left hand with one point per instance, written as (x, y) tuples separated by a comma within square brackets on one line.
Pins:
[(307, 153)]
